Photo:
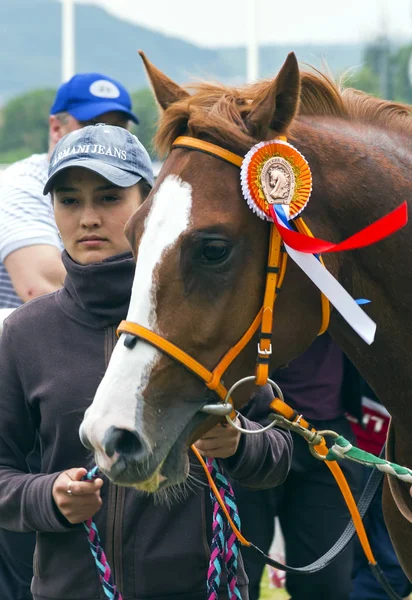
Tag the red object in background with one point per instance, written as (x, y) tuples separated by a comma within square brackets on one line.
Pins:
[(372, 436)]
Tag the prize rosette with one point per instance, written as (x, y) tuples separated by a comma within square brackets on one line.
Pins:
[(275, 172)]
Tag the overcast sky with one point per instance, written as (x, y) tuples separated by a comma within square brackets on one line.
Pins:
[(224, 22)]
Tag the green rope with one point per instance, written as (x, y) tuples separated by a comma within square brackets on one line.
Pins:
[(342, 448)]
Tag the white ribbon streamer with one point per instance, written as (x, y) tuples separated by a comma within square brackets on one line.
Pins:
[(336, 294)]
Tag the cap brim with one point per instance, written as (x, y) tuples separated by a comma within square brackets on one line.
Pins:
[(84, 112), (115, 175)]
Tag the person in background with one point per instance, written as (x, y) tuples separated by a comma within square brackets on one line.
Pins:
[(30, 253), (310, 507), (370, 435), (30, 263)]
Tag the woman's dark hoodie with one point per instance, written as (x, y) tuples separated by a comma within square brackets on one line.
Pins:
[(53, 354)]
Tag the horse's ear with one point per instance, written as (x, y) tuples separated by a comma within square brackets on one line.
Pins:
[(166, 91), (277, 107)]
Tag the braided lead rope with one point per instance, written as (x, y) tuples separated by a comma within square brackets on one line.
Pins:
[(342, 448), (224, 548), (228, 555), (231, 542), (95, 544), (215, 569)]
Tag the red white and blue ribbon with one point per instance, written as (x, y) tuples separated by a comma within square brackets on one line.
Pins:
[(301, 249)]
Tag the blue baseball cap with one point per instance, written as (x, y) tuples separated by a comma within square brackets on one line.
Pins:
[(112, 152), (88, 95)]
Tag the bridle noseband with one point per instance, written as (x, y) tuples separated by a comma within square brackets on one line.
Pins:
[(275, 273)]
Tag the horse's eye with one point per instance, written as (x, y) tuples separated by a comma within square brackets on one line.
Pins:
[(215, 251)]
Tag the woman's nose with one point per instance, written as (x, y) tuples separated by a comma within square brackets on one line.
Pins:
[(90, 218)]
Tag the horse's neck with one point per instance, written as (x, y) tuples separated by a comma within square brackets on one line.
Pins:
[(354, 185)]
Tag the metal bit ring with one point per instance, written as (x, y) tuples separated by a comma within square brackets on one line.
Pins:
[(274, 386)]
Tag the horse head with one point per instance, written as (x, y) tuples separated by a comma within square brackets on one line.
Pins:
[(200, 271)]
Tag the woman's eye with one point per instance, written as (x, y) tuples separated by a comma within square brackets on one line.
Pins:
[(68, 201), (215, 251), (109, 199)]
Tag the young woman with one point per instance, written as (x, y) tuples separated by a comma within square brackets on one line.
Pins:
[(53, 353)]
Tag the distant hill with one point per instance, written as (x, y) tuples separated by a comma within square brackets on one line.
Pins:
[(30, 50)]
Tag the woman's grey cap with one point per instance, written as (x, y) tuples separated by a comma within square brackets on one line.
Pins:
[(112, 152)]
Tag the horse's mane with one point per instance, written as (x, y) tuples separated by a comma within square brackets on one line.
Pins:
[(218, 112)]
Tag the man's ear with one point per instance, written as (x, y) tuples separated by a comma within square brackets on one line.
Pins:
[(55, 129)]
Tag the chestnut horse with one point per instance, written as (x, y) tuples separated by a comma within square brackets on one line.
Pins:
[(201, 258)]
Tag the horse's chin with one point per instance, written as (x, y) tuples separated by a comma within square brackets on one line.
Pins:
[(173, 471)]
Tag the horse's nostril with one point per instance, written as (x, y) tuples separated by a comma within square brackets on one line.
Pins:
[(124, 442)]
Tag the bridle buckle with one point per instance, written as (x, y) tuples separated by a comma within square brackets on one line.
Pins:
[(264, 352)]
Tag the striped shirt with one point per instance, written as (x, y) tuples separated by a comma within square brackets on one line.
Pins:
[(26, 216)]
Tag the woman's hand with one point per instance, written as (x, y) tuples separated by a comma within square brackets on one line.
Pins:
[(219, 442), (77, 500)]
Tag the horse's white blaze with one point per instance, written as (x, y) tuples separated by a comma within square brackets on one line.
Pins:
[(118, 400)]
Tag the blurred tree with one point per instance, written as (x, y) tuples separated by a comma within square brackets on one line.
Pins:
[(146, 109), (24, 122), (363, 79), (402, 73), (385, 72)]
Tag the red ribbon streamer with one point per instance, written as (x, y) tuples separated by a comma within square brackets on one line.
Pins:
[(373, 233)]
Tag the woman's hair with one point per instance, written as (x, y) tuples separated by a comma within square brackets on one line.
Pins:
[(145, 188)]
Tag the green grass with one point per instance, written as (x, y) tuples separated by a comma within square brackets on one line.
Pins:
[(267, 593)]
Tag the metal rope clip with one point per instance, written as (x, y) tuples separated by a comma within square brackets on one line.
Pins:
[(312, 437), (321, 436)]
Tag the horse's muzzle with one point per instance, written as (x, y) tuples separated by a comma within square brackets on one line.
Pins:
[(125, 443)]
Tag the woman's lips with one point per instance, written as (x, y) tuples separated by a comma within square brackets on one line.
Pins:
[(93, 242)]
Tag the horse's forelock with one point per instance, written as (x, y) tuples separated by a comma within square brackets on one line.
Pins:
[(219, 112), (213, 111)]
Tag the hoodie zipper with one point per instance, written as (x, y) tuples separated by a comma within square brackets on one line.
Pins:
[(116, 496)]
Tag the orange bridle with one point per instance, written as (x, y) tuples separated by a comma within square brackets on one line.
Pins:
[(276, 269)]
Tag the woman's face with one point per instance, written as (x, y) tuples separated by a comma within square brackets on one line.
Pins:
[(91, 214)]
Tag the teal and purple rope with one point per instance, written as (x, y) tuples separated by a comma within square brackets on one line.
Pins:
[(225, 545), (96, 548), (224, 548)]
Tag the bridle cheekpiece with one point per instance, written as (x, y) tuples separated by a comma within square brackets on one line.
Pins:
[(275, 271)]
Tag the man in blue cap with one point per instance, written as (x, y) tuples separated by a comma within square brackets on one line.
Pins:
[(30, 248)]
